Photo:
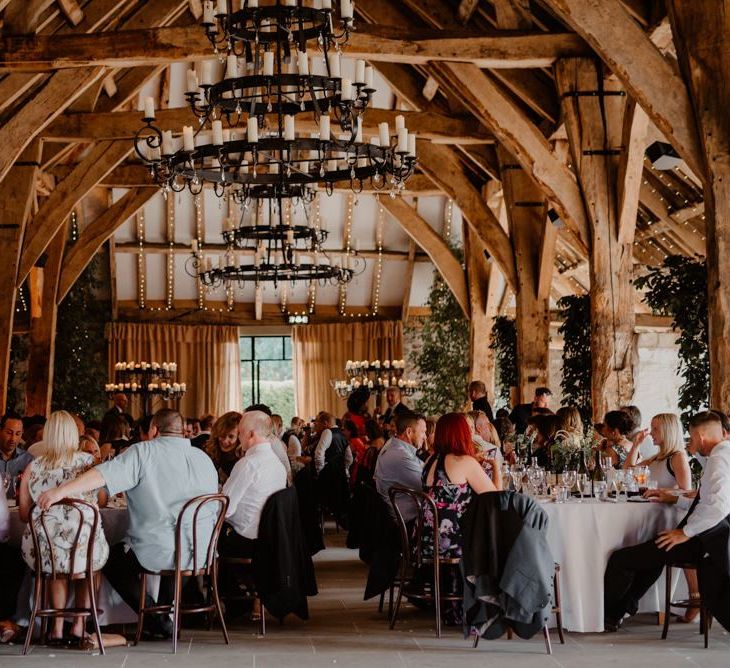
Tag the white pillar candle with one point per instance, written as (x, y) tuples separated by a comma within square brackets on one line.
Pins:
[(268, 64), (231, 67), (360, 71), (412, 144), (369, 77), (252, 130), (289, 128), (303, 63), (195, 246), (188, 138), (207, 73), (384, 134), (192, 82), (402, 141), (332, 165), (253, 3), (167, 142), (346, 90), (346, 9), (217, 127), (208, 12), (400, 122), (208, 267), (334, 63), (324, 127), (149, 107), (358, 133), (291, 3), (222, 7)]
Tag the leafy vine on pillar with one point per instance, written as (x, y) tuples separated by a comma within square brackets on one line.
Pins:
[(575, 328), (504, 344)]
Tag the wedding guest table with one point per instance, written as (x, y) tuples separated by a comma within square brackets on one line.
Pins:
[(582, 536), (113, 610)]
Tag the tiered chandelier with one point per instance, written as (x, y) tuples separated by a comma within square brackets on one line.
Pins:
[(250, 143)]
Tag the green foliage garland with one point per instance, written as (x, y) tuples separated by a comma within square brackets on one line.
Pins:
[(442, 362), (575, 311), (504, 344), (17, 376), (81, 349), (678, 288)]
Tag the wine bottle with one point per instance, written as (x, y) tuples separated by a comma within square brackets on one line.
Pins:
[(582, 468), (598, 477), (529, 450)]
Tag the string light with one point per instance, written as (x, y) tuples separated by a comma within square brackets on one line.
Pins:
[(379, 264), (74, 226), (170, 286), (348, 245), (199, 238), (448, 218), (142, 288)]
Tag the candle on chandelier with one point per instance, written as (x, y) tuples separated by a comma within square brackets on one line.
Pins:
[(400, 122), (326, 4), (188, 138), (149, 107), (253, 3), (192, 81), (384, 134), (402, 141), (268, 64), (334, 65), (252, 130), (346, 90), (231, 67), (360, 71), (208, 267), (195, 246), (412, 144), (369, 77), (324, 127), (217, 127), (303, 63), (291, 3), (222, 7), (208, 16), (207, 73), (226, 136), (346, 9), (167, 145), (289, 127)]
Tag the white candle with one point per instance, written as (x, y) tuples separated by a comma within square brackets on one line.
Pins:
[(360, 71), (222, 7), (231, 67), (188, 138), (346, 91), (384, 133), (252, 130), (269, 63), (149, 107), (400, 122), (207, 73), (412, 144), (402, 141), (253, 3), (326, 4), (358, 133), (334, 63), (346, 9), (289, 128), (217, 133), (192, 82), (324, 127), (369, 77), (303, 63), (291, 3), (167, 142), (195, 246), (208, 267), (208, 12), (226, 136)]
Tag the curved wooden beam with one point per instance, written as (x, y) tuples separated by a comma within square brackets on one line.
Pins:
[(432, 243), (96, 233)]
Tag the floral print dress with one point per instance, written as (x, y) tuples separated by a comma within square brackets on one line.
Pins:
[(451, 501), (62, 522)]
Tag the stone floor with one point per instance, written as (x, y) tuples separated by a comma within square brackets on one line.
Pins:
[(346, 632)]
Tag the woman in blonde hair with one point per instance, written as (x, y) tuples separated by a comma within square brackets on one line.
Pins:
[(61, 461), (222, 447), (670, 466)]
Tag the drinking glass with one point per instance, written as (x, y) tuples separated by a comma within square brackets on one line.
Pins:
[(569, 479), (517, 473), (6, 479)]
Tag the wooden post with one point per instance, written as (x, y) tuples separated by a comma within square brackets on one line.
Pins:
[(41, 359), (700, 35), (531, 232), (594, 109)]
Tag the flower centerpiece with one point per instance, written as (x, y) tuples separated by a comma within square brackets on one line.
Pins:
[(567, 447)]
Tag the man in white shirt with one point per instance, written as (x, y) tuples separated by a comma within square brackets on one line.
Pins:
[(633, 570), (254, 478)]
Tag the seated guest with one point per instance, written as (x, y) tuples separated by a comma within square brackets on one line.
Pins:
[(486, 450), (506, 434), (276, 444), (88, 445), (32, 431), (116, 437), (396, 407), (13, 458), (293, 441), (478, 398), (223, 445), (254, 478), (159, 478), (363, 469), (450, 477), (426, 449), (546, 430), (279, 447), (570, 421), (616, 444), (119, 409), (357, 445), (203, 436), (192, 427), (633, 570), (398, 462), (357, 409), (93, 429), (522, 412), (146, 430), (648, 448), (12, 569), (61, 462)]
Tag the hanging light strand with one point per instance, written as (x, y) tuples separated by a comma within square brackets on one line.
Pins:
[(141, 262)]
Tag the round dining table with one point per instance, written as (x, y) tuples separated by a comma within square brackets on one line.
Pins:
[(583, 534), (113, 610)]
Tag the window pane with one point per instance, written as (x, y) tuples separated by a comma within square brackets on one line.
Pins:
[(287, 347), (245, 346), (268, 347), (277, 388), (246, 384)]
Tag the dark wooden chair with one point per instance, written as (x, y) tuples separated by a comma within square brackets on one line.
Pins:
[(412, 559), (41, 609), (206, 568), (686, 604)]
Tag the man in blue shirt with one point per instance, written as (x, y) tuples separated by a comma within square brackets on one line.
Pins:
[(13, 459)]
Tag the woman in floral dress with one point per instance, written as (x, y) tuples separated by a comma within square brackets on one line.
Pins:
[(61, 461)]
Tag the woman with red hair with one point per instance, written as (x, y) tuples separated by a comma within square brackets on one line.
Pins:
[(450, 477)]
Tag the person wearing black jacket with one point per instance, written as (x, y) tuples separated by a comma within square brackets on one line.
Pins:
[(522, 412), (478, 398)]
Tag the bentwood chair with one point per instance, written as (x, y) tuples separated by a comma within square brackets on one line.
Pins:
[(88, 515), (686, 604), (206, 568), (411, 582)]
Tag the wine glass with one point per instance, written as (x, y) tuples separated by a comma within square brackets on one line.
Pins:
[(569, 479), (517, 473), (6, 478), (582, 482)]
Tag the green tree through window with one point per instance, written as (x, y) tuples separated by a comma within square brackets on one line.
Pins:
[(267, 374)]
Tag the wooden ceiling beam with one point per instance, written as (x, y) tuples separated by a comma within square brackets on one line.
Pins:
[(158, 46)]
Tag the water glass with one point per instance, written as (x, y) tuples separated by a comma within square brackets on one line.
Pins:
[(6, 479)]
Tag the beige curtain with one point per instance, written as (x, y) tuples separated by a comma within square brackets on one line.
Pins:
[(208, 362), (320, 354)]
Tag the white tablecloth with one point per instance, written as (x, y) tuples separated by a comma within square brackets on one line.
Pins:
[(113, 609), (582, 537)]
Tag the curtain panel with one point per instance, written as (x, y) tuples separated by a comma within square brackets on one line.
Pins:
[(320, 354), (208, 361)]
